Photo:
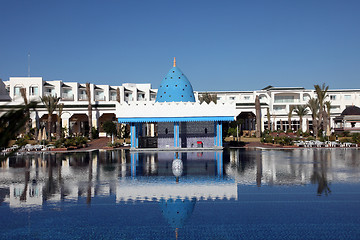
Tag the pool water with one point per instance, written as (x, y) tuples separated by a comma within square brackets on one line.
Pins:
[(230, 194)]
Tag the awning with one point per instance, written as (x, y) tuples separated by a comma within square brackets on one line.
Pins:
[(176, 119)]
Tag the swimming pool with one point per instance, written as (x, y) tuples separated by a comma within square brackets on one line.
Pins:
[(235, 194)]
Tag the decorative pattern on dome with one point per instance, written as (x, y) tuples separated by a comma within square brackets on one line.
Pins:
[(175, 87)]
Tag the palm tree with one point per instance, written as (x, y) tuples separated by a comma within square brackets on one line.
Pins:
[(27, 113), (321, 92), (313, 105), (258, 116), (301, 111), (207, 97), (291, 109), (88, 95), (51, 103), (58, 129)]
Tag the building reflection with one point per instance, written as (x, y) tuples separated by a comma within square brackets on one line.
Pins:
[(43, 178)]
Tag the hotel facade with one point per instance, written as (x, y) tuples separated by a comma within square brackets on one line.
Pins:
[(104, 98)]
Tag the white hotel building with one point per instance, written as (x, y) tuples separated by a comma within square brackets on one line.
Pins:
[(104, 100)]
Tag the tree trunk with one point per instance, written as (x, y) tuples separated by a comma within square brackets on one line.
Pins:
[(118, 95), (301, 122), (307, 125), (268, 118), (49, 127), (258, 117), (58, 128), (88, 93), (289, 120)]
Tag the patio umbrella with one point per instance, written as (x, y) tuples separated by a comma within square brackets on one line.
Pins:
[(43, 134), (39, 138)]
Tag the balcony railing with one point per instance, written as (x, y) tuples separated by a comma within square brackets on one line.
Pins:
[(99, 98), (67, 97), (287, 100), (83, 97)]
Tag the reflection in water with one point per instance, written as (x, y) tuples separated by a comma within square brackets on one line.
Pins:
[(176, 212), (35, 179)]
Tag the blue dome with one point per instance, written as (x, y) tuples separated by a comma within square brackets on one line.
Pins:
[(175, 87)]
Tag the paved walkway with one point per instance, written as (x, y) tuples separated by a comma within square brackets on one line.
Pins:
[(97, 144)]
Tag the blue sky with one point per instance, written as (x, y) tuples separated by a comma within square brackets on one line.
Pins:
[(219, 45)]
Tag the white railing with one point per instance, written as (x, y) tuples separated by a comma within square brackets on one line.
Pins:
[(99, 98), (287, 100), (83, 97), (67, 96)]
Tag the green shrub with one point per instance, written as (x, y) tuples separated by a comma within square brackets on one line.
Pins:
[(345, 139), (356, 138), (95, 133), (69, 142), (346, 134), (306, 134), (267, 139)]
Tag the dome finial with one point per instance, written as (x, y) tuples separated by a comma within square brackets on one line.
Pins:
[(174, 62)]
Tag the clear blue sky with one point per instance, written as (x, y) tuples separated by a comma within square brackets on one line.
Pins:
[(219, 45)]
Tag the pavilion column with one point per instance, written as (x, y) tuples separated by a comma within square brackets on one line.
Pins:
[(134, 135), (218, 134), (176, 135)]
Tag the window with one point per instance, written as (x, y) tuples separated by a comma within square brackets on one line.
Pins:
[(34, 90), (218, 98), (332, 97), (232, 98), (8, 89), (347, 97), (247, 97), (17, 91), (279, 108)]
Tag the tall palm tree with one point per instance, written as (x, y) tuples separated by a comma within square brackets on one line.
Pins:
[(313, 105), (58, 129), (88, 95), (51, 103), (301, 111), (27, 113), (321, 92), (291, 109), (258, 117)]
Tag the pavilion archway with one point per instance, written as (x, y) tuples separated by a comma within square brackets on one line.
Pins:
[(79, 124)]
